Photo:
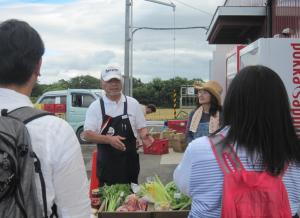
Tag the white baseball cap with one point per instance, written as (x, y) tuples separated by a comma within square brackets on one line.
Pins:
[(111, 73)]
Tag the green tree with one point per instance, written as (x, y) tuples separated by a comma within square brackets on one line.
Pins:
[(136, 83), (38, 90), (84, 82), (159, 92)]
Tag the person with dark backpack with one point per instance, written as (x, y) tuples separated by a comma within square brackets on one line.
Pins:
[(250, 167), (42, 173), (18, 163)]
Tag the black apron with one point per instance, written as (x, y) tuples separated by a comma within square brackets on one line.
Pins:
[(113, 165)]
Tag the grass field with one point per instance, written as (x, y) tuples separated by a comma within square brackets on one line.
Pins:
[(168, 114)]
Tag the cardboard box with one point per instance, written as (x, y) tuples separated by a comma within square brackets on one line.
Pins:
[(167, 134), (178, 142), (153, 214), (178, 146), (179, 137)]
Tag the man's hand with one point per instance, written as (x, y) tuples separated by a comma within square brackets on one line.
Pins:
[(116, 142), (147, 140)]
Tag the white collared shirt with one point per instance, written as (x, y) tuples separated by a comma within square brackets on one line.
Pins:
[(56, 145), (93, 119)]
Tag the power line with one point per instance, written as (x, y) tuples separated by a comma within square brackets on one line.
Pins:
[(168, 28), (190, 6)]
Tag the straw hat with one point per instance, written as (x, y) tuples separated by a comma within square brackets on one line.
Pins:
[(212, 86)]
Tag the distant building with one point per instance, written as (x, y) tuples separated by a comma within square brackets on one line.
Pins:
[(244, 21)]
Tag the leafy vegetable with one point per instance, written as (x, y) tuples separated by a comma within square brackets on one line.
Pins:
[(179, 201), (114, 195)]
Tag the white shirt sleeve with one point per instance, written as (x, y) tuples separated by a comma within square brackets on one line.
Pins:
[(93, 117), (59, 151), (69, 175), (143, 107), (139, 116), (182, 172)]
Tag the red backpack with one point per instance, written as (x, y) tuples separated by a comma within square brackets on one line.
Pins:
[(248, 193)]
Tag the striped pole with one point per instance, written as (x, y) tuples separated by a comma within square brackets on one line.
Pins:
[(174, 102)]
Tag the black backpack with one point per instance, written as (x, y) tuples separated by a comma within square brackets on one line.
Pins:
[(18, 165)]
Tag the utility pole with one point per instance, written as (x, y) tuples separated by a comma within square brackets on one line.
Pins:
[(128, 24), (128, 43)]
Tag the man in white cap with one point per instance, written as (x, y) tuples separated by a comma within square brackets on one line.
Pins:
[(114, 122)]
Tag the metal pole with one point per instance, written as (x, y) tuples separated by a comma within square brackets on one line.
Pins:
[(128, 57), (269, 19), (131, 52), (126, 51)]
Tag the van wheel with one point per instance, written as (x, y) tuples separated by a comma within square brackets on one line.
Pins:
[(79, 135)]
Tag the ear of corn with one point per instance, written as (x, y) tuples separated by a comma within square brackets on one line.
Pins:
[(155, 191)]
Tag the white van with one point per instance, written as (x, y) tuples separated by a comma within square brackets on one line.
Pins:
[(70, 104)]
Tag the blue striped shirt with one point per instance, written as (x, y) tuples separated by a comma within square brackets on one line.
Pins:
[(199, 176)]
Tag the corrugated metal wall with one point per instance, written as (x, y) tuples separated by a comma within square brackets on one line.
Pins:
[(244, 3), (286, 14)]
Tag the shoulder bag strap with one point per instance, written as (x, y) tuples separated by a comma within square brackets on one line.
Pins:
[(225, 154)]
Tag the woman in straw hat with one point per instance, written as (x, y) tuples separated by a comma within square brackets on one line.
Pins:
[(205, 119)]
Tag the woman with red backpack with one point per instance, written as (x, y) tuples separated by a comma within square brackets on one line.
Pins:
[(251, 166), (205, 119)]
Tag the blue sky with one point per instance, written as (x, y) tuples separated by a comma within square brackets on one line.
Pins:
[(83, 36), (36, 1), (48, 1)]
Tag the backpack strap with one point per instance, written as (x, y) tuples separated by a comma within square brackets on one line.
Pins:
[(26, 115), (37, 166), (225, 154)]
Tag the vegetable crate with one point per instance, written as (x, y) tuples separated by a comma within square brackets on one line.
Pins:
[(152, 214), (159, 146), (178, 125)]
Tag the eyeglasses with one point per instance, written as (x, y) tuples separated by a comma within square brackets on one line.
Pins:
[(203, 92)]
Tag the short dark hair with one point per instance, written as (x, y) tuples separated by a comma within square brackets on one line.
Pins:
[(257, 110), (152, 107), (21, 49)]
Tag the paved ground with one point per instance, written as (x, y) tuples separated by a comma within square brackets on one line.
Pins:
[(161, 165)]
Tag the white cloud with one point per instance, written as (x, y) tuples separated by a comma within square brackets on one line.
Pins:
[(83, 36)]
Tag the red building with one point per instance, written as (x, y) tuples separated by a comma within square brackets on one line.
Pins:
[(244, 21)]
